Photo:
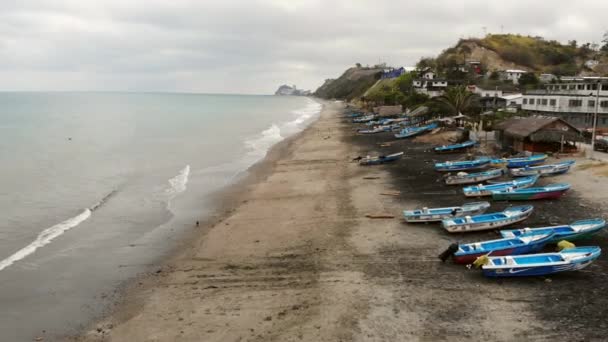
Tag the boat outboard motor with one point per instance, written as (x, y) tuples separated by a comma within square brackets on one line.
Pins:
[(448, 252)]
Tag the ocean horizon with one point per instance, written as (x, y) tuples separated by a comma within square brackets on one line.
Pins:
[(98, 185)]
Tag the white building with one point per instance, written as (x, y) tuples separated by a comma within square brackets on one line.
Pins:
[(485, 92), (512, 75), (573, 101), (429, 84)]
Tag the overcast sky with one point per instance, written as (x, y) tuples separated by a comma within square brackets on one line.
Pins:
[(251, 46)]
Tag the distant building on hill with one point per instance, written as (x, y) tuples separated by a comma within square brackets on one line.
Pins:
[(427, 83), (294, 91), (395, 72), (547, 78), (574, 101), (512, 75)]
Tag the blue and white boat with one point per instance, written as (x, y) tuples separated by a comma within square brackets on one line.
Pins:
[(507, 217), (365, 118), (478, 163), (571, 232), (468, 252), (455, 147), (521, 161), (551, 191), (472, 178), (489, 189), (380, 159), (439, 214), (413, 131), (377, 129), (570, 259), (543, 170)]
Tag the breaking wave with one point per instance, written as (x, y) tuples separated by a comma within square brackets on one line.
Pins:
[(304, 114), (49, 234), (259, 145), (178, 183)]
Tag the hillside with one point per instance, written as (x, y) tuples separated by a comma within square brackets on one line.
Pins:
[(508, 51), (353, 83)]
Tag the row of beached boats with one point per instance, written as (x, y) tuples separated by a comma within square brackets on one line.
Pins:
[(517, 251)]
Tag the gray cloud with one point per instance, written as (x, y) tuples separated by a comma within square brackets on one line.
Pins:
[(250, 46)]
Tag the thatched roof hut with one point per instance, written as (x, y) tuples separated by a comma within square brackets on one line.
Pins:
[(536, 133)]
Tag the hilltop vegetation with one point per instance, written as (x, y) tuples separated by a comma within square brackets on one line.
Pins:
[(502, 51), (353, 83)]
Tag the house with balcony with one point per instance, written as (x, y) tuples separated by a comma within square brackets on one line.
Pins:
[(574, 101), (427, 83)]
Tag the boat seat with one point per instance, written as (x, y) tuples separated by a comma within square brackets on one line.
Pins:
[(477, 246), (467, 219), (509, 261)]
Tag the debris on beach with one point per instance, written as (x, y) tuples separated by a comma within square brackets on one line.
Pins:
[(379, 216)]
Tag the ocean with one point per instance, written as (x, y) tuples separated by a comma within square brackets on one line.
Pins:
[(97, 186)]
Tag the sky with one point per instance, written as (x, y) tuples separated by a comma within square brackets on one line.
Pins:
[(252, 46)]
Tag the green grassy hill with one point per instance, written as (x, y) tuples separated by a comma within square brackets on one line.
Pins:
[(353, 83), (503, 51)]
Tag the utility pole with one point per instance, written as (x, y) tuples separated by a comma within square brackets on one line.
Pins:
[(597, 106)]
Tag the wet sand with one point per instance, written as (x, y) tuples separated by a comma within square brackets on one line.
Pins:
[(293, 258)]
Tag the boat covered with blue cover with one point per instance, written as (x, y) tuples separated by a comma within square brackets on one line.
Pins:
[(570, 259)]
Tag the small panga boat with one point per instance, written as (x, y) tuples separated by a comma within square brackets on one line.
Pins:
[(463, 165), (455, 147), (412, 131), (380, 159), (543, 170), (468, 252), (438, 214), (574, 231), (471, 178), (507, 217), (551, 191), (521, 161), (489, 189), (570, 259)]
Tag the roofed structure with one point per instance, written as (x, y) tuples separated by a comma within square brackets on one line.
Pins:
[(536, 133)]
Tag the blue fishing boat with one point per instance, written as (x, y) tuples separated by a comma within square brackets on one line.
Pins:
[(455, 147), (521, 161), (543, 170), (380, 159), (490, 189), (377, 129), (471, 178), (365, 118), (413, 131), (576, 230), (439, 214), (468, 252), (570, 259), (552, 191), (478, 163), (507, 217)]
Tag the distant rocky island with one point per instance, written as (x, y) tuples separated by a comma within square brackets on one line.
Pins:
[(292, 90)]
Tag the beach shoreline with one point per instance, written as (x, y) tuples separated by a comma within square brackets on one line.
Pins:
[(292, 257)]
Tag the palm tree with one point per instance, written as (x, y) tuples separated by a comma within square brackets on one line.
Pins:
[(457, 99)]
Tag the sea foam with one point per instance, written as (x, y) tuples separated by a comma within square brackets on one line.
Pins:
[(178, 183), (259, 145), (45, 237)]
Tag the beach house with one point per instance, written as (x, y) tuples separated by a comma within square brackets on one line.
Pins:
[(536, 134), (512, 75)]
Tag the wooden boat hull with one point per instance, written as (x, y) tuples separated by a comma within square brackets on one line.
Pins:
[(378, 161), (462, 166), (543, 171), (475, 191), (482, 177), (470, 258)]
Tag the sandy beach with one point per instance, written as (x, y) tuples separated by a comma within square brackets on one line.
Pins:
[(293, 258)]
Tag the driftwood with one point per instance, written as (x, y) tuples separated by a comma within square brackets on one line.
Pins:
[(391, 193), (379, 216), (371, 177)]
